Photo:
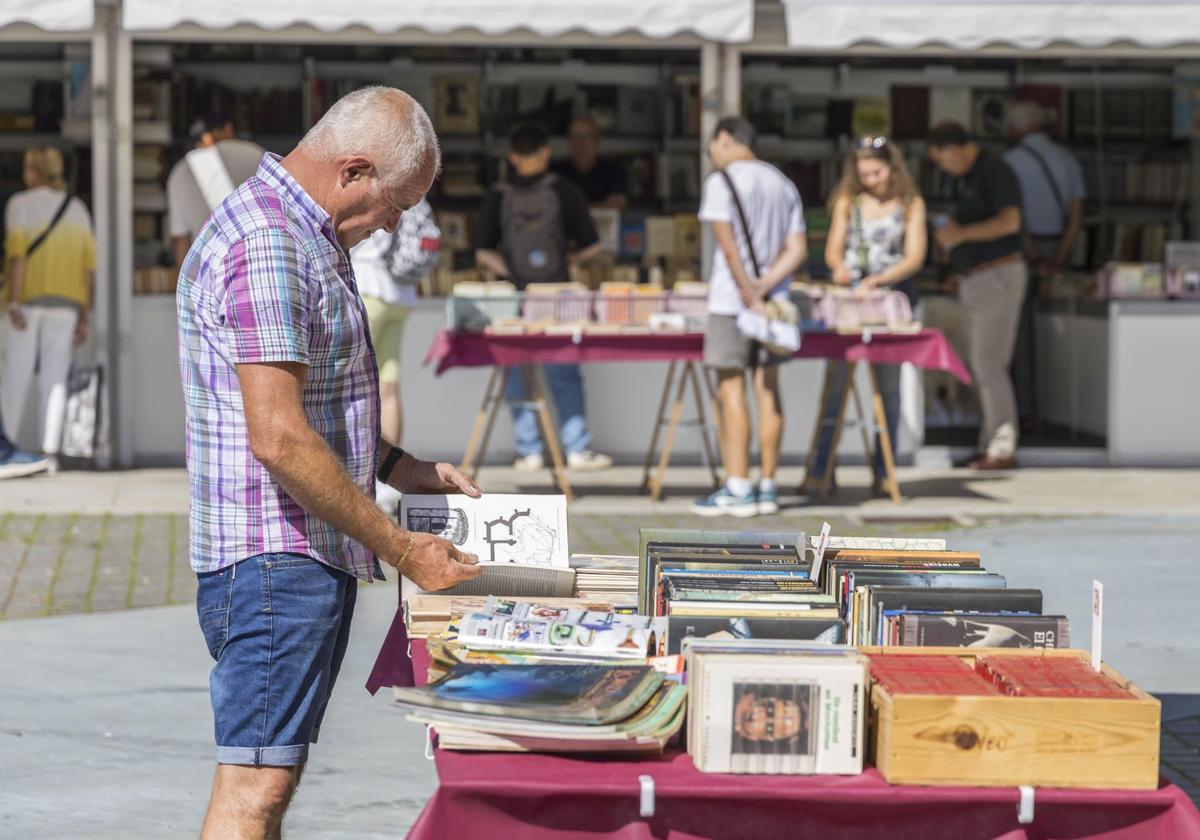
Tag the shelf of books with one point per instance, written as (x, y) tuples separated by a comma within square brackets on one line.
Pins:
[(775, 653)]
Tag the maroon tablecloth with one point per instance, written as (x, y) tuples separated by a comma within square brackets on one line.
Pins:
[(544, 796), (927, 349)]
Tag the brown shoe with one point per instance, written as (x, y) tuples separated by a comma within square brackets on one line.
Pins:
[(987, 462)]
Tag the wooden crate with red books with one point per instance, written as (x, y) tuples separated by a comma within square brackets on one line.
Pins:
[(1004, 716)]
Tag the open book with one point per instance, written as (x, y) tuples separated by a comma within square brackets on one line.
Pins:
[(520, 539)]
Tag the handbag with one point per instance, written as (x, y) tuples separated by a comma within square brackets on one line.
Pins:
[(779, 330), (85, 433)]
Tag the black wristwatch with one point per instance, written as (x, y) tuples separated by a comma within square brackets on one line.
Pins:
[(389, 463)]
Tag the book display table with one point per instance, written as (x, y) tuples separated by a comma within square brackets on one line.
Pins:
[(546, 796), (927, 349)]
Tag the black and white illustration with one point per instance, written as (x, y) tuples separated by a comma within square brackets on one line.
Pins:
[(497, 528)]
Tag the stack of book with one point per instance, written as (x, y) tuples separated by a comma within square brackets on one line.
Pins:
[(775, 707), (577, 708), (994, 675), (430, 614), (609, 576), (935, 598), (733, 584)]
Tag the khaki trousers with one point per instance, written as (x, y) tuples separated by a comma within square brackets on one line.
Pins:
[(991, 299)]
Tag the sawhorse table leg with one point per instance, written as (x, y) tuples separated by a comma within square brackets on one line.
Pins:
[(532, 375), (493, 398), (890, 484), (654, 482)]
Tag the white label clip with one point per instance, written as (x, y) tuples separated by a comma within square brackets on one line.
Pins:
[(646, 803), (1025, 807)]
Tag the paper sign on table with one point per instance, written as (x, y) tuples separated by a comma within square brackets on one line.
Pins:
[(819, 558)]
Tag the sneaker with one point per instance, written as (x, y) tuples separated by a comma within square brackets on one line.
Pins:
[(586, 459), (20, 463), (724, 503), (529, 463), (768, 501)]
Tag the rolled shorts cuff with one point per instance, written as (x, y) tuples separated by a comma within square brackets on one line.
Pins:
[(292, 755)]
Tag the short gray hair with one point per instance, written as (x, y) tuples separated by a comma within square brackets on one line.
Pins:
[(381, 123), (1024, 116)]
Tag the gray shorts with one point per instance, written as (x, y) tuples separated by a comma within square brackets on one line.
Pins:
[(725, 348)]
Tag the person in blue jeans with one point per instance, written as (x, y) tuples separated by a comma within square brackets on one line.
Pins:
[(565, 384), (530, 228), (16, 463), (877, 240)]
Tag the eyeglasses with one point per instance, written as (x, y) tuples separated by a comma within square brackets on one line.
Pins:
[(868, 142)]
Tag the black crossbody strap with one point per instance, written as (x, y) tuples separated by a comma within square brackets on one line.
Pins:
[(737, 202), (41, 237)]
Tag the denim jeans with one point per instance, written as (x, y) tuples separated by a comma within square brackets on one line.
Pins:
[(565, 385), (888, 377), (277, 626)]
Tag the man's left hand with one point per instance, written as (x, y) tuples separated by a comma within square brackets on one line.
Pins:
[(413, 476), (949, 237)]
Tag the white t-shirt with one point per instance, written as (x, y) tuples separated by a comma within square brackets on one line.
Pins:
[(774, 212), (187, 208), (372, 275)]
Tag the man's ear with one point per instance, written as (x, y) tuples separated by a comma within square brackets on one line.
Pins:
[(354, 168)]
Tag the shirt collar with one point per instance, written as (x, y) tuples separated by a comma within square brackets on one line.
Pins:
[(272, 173), (1035, 138)]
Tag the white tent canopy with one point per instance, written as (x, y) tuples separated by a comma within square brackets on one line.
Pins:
[(1020, 24), (50, 15), (730, 21)]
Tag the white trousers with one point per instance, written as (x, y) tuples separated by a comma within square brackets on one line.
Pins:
[(44, 345)]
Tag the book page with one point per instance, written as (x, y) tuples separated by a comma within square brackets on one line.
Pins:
[(511, 531)]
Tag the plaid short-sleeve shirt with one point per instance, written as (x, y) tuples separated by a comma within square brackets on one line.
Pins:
[(267, 281)]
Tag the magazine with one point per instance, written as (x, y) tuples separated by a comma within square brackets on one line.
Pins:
[(585, 694), (512, 625)]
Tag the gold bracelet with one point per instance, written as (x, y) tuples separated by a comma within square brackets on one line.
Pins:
[(412, 540)]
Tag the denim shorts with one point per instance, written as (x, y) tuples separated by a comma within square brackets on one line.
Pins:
[(277, 626)]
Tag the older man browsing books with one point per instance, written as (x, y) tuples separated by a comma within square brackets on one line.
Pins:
[(282, 406)]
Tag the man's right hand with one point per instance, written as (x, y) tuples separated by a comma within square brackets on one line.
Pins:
[(434, 563)]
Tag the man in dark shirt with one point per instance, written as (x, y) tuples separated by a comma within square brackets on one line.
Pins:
[(530, 228), (602, 181), (983, 237)]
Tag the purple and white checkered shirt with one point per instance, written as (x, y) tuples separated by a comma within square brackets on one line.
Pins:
[(267, 281)]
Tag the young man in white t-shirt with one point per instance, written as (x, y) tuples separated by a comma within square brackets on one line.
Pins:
[(775, 222)]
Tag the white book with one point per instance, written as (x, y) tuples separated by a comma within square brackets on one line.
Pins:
[(779, 714)]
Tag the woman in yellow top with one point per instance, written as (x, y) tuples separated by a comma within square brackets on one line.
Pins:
[(50, 274)]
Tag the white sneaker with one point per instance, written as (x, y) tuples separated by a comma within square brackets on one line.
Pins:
[(529, 463), (588, 460)]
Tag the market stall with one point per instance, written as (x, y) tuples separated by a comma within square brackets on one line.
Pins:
[(1116, 80), (304, 55)]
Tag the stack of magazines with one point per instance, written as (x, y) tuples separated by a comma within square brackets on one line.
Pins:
[(506, 631), (587, 708), (779, 707)]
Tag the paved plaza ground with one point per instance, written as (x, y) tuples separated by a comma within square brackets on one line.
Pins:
[(104, 718)]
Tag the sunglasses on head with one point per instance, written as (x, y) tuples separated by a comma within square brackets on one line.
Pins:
[(870, 142)]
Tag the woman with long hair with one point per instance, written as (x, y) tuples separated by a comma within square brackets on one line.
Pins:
[(50, 273), (877, 240)]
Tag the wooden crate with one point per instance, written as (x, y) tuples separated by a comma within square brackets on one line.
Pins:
[(1000, 741)]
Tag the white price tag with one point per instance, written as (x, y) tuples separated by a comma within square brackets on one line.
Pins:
[(1097, 621), (819, 558)]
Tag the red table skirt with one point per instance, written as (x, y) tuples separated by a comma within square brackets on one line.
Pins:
[(531, 796), (927, 349)]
